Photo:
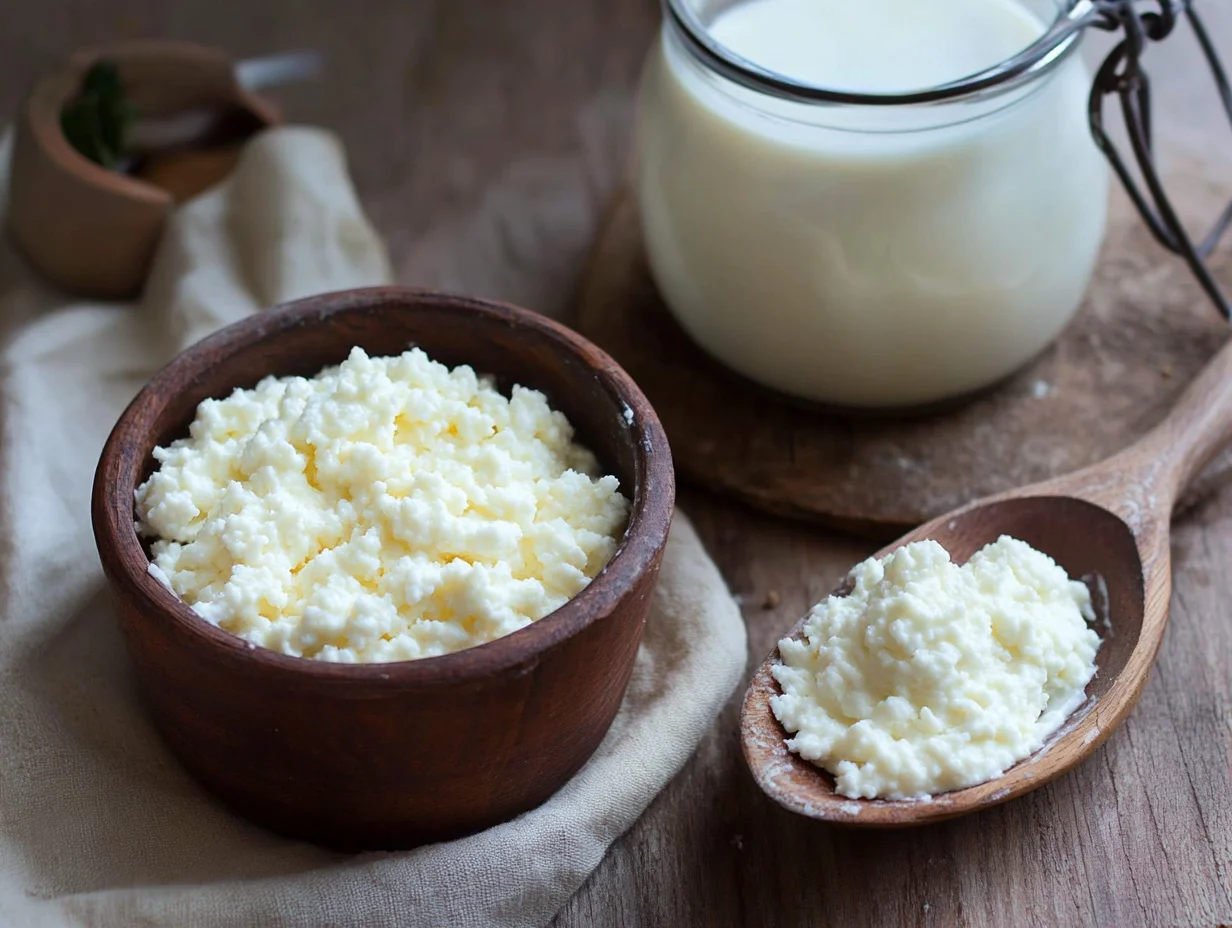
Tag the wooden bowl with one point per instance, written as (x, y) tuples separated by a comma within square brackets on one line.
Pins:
[(90, 230), (359, 756)]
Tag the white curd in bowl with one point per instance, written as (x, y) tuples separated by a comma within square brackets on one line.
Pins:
[(384, 510), (870, 256)]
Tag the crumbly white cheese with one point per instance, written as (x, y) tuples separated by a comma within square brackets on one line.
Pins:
[(931, 677), (383, 510)]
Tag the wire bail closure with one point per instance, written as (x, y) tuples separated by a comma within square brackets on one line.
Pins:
[(1123, 75)]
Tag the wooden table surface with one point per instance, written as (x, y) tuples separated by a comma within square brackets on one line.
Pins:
[(485, 138)]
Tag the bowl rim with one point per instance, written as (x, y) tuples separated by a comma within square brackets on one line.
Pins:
[(126, 565)]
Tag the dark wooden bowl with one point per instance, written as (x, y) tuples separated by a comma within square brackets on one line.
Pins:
[(390, 755)]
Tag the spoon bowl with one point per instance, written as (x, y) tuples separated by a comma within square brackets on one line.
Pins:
[(1107, 525)]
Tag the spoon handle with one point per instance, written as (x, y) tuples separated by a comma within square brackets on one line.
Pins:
[(1199, 425)]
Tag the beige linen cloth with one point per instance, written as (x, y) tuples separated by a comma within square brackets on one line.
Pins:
[(98, 824)]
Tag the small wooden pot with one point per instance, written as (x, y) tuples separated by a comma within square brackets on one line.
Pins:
[(90, 230), (361, 756)]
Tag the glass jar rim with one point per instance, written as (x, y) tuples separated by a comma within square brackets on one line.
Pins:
[(1057, 43)]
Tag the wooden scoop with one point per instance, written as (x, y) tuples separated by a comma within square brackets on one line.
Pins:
[(1107, 524)]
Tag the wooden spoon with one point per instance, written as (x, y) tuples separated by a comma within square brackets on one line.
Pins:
[(1108, 524)]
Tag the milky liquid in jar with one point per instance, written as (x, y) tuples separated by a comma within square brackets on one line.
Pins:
[(861, 255)]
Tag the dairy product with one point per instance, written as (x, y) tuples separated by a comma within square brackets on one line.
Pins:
[(861, 255), (383, 510), (878, 46), (931, 677)]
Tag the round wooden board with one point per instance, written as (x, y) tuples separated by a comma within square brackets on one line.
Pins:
[(1143, 332)]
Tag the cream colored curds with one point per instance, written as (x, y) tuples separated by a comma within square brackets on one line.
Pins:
[(383, 510), (931, 677)]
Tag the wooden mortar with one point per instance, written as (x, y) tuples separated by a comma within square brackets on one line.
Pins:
[(90, 230)]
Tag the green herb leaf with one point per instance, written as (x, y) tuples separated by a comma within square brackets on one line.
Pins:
[(97, 121)]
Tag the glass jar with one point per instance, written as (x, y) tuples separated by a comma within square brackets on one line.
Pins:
[(867, 250)]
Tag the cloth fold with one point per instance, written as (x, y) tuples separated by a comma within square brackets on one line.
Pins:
[(98, 824)]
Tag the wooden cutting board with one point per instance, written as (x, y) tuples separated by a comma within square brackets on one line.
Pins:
[(1143, 332)]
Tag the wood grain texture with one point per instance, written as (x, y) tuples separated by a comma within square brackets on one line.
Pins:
[(403, 766), (485, 139), (1141, 335), (1108, 524)]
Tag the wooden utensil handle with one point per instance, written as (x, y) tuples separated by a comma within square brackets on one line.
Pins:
[(1199, 425)]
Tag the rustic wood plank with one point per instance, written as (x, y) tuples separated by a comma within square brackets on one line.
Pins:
[(484, 139), (1141, 335), (1138, 835)]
